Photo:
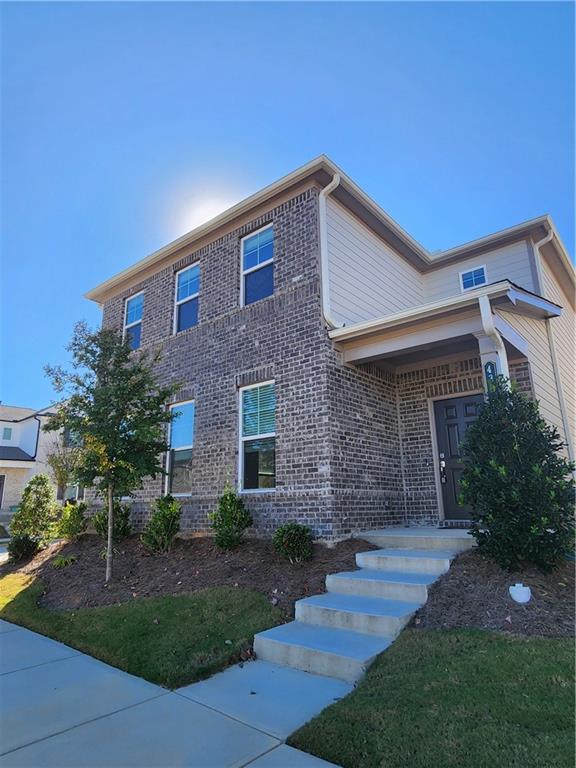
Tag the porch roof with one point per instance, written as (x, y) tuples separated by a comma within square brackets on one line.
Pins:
[(453, 321)]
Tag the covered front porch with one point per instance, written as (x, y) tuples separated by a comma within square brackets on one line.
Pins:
[(442, 356)]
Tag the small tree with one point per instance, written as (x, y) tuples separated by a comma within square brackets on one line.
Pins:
[(520, 487), (37, 512), (117, 411)]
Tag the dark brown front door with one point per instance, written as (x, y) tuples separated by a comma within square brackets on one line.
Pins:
[(452, 419)]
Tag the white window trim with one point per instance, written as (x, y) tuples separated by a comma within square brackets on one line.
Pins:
[(136, 322), (183, 301), (171, 407), (473, 269), (244, 272), (242, 440), (10, 430)]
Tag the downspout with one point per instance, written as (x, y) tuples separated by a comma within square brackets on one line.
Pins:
[(565, 420), (324, 265), (490, 330)]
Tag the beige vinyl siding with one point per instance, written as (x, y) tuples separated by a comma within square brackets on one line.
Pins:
[(541, 367), (368, 279), (509, 263), (564, 332)]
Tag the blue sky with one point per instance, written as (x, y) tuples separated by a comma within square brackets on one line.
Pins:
[(124, 124)]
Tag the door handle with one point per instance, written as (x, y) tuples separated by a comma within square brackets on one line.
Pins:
[(442, 471)]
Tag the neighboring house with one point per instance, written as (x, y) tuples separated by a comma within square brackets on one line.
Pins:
[(329, 364), (24, 447)]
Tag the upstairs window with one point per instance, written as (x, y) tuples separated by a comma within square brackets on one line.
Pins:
[(473, 278), (187, 293), (181, 444), (133, 320), (7, 433), (257, 266), (258, 436)]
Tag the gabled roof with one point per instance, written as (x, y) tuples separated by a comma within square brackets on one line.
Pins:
[(24, 413), (320, 172), (11, 453)]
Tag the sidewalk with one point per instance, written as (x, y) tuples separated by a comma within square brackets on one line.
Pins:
[(60, 708)]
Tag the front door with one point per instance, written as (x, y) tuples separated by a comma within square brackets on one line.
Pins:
[(2, 478), (452, 419)]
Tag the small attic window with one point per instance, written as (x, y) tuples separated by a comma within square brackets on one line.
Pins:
[(473, 278)]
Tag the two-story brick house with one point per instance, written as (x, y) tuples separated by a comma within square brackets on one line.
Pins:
[(329, 363)]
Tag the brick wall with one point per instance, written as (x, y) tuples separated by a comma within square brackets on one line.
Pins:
[(354, 444)]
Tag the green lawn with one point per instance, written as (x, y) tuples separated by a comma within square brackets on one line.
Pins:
[(167, 640), (471, 699)]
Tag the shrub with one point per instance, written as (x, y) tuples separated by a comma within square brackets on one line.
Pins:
[(37, 512), (160, 531), (120, 524), (63, 562), (293, 541), (517, 482), (22, 547), (72, 520), (230, 519)]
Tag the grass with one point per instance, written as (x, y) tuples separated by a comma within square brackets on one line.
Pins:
[(459, 698), (171, 640)]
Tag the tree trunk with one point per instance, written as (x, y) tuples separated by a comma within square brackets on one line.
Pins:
[(109, 548)]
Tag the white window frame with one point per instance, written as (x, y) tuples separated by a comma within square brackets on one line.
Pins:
[(183, 301), (244, 272), (473, 269), (136, 322), (10, 431), (243, 439), (171, 407)]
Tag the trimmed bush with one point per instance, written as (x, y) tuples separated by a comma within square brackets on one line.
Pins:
[(160, 531), (37, 513), (120, 525), (518, 483), (72, 520), (230, 519), (293, 541), (22, 547)]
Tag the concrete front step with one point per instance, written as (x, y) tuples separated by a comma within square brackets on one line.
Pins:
[(336, 653), (452, 540), (431, 561), (370, 615), (410, 587)]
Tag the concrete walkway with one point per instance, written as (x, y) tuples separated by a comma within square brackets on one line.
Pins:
[(62, 709)]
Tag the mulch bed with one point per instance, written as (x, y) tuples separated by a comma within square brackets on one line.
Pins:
[(474, 595), (191, 565)]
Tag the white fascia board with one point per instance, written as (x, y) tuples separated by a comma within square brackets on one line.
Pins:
[(519, 297)]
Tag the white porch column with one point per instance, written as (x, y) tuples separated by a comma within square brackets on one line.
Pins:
[(493, 356)]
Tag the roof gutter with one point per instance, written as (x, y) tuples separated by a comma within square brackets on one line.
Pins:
[(557, 380), (324, 265)]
